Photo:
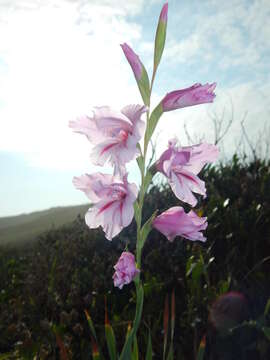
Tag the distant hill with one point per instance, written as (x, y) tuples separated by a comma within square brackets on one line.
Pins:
[(24, 228)]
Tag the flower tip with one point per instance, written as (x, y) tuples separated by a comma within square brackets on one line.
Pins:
[(164, 12), (126, 48), (133, 60)]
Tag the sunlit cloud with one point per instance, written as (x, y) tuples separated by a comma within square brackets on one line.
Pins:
[(61, 60)]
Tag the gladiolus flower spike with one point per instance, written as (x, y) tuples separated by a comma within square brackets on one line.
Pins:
[(115, 136)]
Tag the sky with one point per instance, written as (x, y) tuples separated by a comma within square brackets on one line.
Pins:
[(59, 59)]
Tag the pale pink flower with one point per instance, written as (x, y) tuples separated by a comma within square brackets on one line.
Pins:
[(125, 270), (175, 222), (113, 134), (194, 95), (181, 166), (112, 200)]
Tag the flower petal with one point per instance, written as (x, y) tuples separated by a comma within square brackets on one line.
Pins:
[(175, 222), (93, 185), (85, 125), (105, 214), (181, 189), (200, 155), (134, 113)]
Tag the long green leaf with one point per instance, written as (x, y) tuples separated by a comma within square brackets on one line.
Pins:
[(109, 335), (139, 308), (147, 180), (144, 87), (140, 164), (201, 349), (165, 325), (160, 36), (172, 316), (95, 351), (146, 228), (152, 123), (90, 324), (136, 211), (126, 352), (111, 343), (149, 348), (266, 331), (135, 352), (170, 354), (267, 308)]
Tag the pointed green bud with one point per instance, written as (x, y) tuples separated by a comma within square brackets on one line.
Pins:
[(160, 36)]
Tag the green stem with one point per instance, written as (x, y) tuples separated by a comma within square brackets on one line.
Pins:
[(141, 200), (139, 244)]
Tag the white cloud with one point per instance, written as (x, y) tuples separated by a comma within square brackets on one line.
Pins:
[(184, 50), (238, 31), (63, 57)]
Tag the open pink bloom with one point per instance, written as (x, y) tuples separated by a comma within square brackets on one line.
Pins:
[(125, 269), (181, 166), (134, 60), (194, 95), (175, 222), (112, 200), (113, 134)]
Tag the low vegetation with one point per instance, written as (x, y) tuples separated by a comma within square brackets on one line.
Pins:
[(47, 286)]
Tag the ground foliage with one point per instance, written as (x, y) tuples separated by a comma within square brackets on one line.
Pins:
[(46, 287)]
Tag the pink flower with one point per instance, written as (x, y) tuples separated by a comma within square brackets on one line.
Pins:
[(133, 60), (181, 166), (194, 95), (175, 222), (112, 200), (125, 270), (113, 134)]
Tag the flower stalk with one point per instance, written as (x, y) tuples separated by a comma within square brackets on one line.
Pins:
[(115, 136)]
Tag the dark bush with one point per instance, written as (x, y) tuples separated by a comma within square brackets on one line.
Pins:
[(46, 288)]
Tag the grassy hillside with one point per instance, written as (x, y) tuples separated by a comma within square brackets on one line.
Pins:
[(24, 228)]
